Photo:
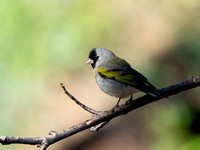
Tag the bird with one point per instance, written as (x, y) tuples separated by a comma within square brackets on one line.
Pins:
[(116, 77)]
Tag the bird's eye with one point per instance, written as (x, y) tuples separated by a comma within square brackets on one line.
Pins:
[(96, 58)]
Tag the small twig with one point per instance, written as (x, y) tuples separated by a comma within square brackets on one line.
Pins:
[(103, 118), (99, 126), (88, 109)]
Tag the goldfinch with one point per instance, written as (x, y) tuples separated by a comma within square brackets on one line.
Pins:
[(116, 77)]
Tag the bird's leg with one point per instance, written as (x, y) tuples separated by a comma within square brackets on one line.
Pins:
[(117, 103), (129, 100)]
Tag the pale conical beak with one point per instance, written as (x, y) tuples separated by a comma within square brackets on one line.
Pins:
[(90, 61)]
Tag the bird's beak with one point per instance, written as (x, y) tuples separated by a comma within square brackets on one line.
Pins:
[(90, 61)]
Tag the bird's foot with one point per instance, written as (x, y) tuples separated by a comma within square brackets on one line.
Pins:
[(116, 106), (130, 100)]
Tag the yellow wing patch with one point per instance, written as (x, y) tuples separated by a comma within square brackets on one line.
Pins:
[(108, 73), (116, 75), (126, 79)]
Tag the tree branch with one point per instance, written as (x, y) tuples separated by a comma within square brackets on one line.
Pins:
[(88, 109), (100, 118)]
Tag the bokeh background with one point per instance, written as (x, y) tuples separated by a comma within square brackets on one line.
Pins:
[(43, 43)]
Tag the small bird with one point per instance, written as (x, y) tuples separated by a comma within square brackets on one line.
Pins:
[(116, 77)]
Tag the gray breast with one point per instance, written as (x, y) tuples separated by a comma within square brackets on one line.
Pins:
[(114, 88)]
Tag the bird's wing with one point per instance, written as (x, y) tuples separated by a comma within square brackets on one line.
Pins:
[(119, 70)]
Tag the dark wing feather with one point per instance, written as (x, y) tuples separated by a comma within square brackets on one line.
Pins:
[(119, 70)]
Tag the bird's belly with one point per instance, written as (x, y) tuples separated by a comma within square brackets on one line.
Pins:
[(114, 88)]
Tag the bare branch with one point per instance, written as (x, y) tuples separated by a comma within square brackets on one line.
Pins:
[(90, 110), (100, 119)]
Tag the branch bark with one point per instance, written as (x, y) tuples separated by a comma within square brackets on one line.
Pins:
[(101, 117)]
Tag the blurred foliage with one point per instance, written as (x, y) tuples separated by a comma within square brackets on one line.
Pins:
[(45, 42)]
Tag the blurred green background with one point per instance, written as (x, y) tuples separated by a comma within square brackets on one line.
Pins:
[(43, 43)]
